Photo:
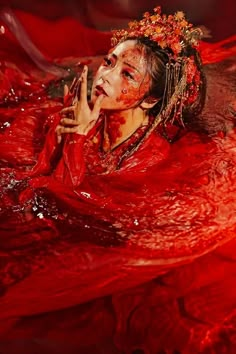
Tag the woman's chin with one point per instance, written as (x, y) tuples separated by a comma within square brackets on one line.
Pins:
[(94, 97), (104, 105)]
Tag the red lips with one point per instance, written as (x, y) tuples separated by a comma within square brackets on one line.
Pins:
[(100, 90)]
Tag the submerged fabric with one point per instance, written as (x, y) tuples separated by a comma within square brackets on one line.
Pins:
[(97, 260)]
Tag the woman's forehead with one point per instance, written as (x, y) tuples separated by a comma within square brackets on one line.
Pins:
[(129, 50)]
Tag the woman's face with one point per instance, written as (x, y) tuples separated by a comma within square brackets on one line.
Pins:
[(122, 78)]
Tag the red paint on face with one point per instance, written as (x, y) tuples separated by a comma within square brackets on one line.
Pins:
[(123, 77), (129, 95)]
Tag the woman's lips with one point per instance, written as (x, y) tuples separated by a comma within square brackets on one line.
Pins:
[(99, 90)]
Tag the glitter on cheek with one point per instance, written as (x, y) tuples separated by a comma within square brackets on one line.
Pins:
[(134, 83), (130, 95)]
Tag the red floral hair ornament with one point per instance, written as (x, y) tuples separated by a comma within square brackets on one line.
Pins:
[(172, 33)]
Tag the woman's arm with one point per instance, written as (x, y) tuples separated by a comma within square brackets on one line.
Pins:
[(62, 154)]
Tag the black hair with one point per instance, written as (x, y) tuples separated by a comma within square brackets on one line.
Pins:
[(157, 60)]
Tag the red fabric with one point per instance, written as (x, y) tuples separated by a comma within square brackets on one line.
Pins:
[(216, 52), (63, 37), (72, 233)]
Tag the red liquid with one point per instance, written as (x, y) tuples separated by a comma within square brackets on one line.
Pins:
[(139, 258)]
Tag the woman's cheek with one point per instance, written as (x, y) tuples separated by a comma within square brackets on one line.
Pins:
[(127, 96), (131, 94)]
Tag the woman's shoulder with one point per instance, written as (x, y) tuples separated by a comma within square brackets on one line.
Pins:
[(154, 150)]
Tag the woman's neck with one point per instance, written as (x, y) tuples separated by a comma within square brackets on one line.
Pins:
[(120, 125)]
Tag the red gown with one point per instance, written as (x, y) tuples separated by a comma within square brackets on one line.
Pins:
[(96, 259)]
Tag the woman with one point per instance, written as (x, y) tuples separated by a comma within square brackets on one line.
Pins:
[(111, 203), (142, 87)]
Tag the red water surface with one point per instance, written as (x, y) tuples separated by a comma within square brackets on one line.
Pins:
[(139, 260)]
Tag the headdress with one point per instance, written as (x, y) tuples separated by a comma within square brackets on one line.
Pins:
[(173, 34)]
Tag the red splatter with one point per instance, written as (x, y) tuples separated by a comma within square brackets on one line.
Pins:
[(113, 131)]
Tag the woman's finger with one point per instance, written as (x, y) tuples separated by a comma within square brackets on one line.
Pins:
[(59, 139), (83, 87), (68, 121), (58, 132), (66, 90), (97, 106), (67, 110), (69, 115), (64, 130), (73, 85), (75, 98), (77, 91)]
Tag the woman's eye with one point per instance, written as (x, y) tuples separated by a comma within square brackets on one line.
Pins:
[(107, 61), (128, 75)]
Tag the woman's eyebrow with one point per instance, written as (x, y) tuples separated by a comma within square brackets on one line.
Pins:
[(131, 66), (114, 56), (125, 62)]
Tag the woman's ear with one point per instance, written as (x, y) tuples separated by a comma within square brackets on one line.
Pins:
[(149, 102)]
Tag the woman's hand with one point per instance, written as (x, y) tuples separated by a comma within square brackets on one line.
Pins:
[(79, 118)]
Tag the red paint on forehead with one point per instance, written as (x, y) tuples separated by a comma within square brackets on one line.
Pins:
[(130, 52), (134, 52), (136, 58)]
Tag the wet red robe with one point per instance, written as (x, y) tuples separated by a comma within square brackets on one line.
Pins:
[(72, 233)]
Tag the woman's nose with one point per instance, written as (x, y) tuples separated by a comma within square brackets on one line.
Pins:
[(109, 75), (104, 79)]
